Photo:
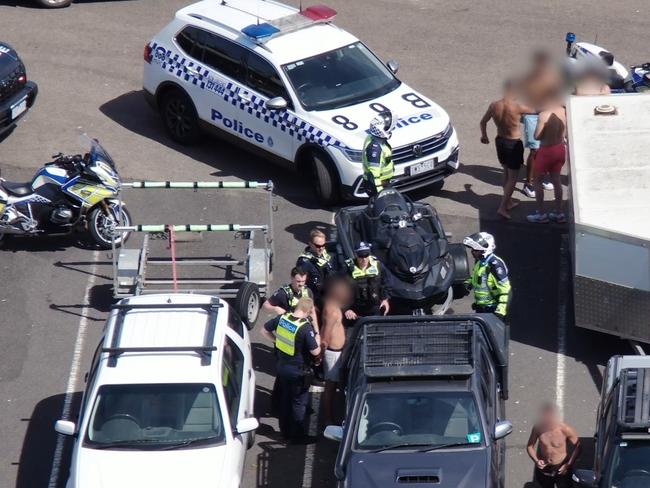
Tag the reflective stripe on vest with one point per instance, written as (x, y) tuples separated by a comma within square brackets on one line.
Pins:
[(318, 261), (371, 271), (292, 299), (285, 334)]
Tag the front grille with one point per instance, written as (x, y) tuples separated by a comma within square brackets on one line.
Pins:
[(9, 85), (419, 149)]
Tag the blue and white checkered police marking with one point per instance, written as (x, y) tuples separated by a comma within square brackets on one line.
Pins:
[(189, 71)]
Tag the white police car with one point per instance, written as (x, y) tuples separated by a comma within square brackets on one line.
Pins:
[(296, 87), (169, 397)]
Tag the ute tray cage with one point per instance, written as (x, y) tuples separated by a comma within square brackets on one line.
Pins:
[(432, 349), (634, 407)]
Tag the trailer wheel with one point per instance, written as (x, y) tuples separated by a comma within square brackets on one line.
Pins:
[(247, 303)]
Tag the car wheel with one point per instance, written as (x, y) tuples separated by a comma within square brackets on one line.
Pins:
[(179, 117), (247, 303), (325, 181), (53, 3)]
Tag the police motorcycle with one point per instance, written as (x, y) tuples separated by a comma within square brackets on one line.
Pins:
[(73, 192), (424, 271), (621, 80)]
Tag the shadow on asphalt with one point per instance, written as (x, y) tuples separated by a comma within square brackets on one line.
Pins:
[(35, 463), (32, 4), (300, 232), (132, 112), (43, 244)]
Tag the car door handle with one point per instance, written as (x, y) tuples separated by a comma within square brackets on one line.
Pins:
[(192, 71), (245, 97)]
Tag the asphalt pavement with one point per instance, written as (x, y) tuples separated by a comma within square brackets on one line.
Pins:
[(87, 61)]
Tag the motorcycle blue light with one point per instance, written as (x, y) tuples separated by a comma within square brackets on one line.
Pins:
[(260, 31), (570, 37)]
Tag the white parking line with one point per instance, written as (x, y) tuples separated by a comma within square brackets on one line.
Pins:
[(563, 290), (73, 376)]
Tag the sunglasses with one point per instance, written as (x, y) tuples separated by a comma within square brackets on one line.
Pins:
[(318, 246)]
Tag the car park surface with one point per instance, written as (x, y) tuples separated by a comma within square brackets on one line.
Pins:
[(451, 51)]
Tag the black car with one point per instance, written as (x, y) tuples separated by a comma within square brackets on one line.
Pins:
[(17, 94), (622, 447), (425, 403)]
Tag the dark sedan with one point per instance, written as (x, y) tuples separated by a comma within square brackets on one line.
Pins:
[(17, 94)]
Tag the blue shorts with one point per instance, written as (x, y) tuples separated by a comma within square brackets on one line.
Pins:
[(530, 124)]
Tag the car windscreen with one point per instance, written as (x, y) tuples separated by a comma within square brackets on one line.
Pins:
[(430, 419), (630, 466), (339, 78), (155, 416)]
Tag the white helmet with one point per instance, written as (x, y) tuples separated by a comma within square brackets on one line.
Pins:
[(481, 241), (382, 125)]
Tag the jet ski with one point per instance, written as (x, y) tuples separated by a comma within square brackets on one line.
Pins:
[(423, 268)]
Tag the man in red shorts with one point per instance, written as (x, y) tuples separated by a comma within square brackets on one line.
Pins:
[(551, 132)]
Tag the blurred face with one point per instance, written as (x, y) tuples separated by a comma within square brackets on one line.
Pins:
[(317, 245), (342, 293), (298, 282), (548, 417)]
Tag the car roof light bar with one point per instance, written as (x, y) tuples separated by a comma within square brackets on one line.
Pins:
[(290, 23)]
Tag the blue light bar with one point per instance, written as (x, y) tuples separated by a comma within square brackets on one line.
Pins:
[(260, 31), (570, 37)]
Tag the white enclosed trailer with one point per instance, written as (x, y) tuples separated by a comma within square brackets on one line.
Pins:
[(609, 153)]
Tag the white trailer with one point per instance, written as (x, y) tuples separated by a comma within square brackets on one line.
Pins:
[(609, 154)]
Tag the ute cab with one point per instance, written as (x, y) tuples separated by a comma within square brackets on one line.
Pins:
[(425, 403)]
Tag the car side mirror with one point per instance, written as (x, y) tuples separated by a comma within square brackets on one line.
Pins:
[(277, 103), (502, 429), (393, 66), (65, 427), (585, 477), (333, 433), (247, 425)]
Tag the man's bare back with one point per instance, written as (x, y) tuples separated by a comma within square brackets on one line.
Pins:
[(506, 114), (551, 126), (332, 331)]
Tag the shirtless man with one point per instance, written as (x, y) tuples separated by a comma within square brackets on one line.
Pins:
[(337, 299), (543, 80), (551, 132), (506, 114), (553, 446)]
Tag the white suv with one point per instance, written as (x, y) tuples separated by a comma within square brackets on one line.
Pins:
[(169, 397), (292, 85)]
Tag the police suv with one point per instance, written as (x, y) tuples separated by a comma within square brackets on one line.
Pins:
[(290, 84)]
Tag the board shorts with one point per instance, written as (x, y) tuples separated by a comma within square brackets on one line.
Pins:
[(530, 124), (550, 159), (510, 152), (332, 365)]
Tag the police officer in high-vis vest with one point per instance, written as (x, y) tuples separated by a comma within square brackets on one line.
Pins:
[(297, 344), (286, 297), (371, 293), (317, 262), (489, 282), (377, 155)]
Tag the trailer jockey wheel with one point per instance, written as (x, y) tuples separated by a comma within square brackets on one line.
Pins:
[(247, 303)]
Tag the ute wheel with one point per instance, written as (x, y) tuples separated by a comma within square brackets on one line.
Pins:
[(52, 3), (325, 181), (179, 117), (247, 303), (100, 225)]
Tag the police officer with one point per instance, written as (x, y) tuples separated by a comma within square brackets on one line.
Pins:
[(297, 343), (489, 281), (286, 298), (377, 155), (317, 262), (371, 297)]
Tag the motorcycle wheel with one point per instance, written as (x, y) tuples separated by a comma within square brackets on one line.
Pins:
[(100, 226)]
